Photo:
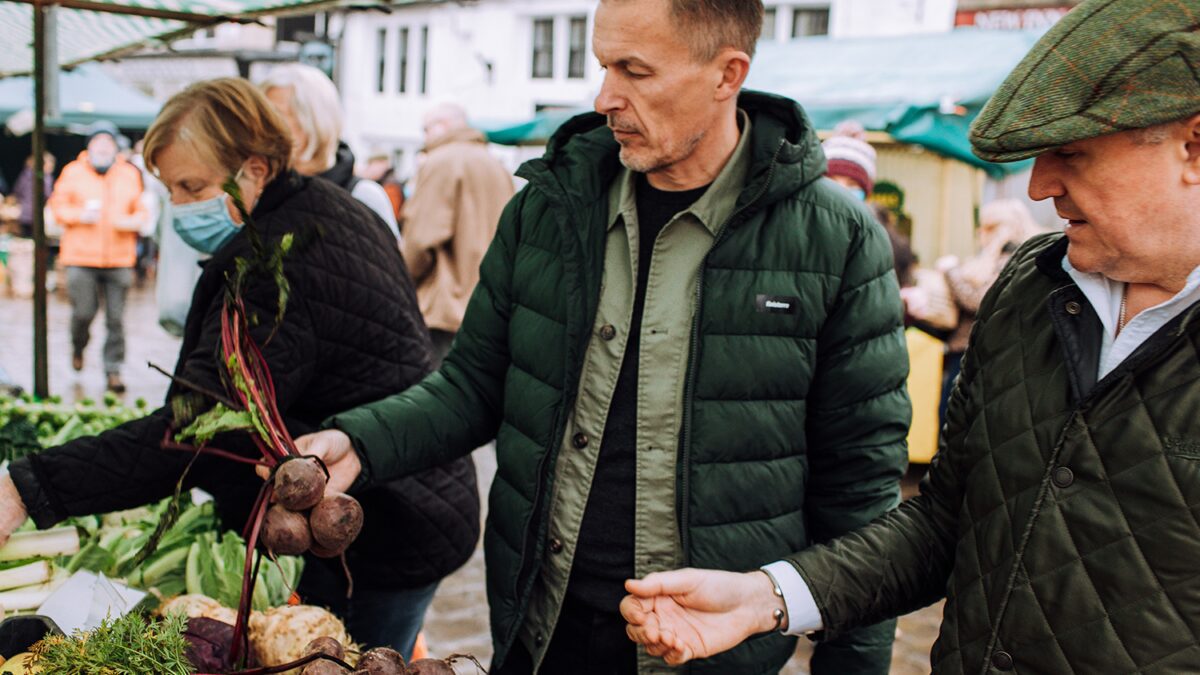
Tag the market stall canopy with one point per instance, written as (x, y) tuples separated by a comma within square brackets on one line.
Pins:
[(533, 132), (86, 94), (920, 89), (94, 29)]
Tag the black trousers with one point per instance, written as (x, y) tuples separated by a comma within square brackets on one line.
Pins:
[(585, 642)]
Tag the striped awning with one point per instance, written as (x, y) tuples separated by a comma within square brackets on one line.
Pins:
[(93, 29)]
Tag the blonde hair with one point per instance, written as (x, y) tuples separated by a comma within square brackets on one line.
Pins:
[(227, 120), (316, 107)]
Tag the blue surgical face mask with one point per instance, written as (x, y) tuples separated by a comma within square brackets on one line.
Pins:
[(859, 194), (205, 226)]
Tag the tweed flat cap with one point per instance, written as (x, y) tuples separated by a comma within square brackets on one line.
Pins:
[(1107, 66)]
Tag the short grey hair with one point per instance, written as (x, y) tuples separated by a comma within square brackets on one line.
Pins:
[(316, 106), (711, 25), (1157, 134)]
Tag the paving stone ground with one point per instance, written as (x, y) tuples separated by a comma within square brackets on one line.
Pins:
[(458, 619)]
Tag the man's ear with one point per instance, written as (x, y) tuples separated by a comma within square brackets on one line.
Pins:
[(735, 66), (1191, 132)]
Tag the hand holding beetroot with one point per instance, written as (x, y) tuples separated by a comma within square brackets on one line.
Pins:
[(334, 448), (307, 518)]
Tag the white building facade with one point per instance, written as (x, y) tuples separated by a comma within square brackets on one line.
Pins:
[(502, 60), (505, 60)]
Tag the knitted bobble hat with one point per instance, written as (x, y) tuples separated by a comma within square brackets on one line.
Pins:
[(848, 154)]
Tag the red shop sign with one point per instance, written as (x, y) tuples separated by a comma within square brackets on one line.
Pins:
[(1010, 19)]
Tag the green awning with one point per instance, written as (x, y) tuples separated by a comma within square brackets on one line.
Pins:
[(92, 29), (81, 35), (86, 94), (920, 89)]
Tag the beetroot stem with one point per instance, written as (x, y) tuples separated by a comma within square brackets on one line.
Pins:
[(284, 667), (241, 637)]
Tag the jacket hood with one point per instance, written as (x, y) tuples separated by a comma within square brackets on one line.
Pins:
[(582, 156), (342, 171)]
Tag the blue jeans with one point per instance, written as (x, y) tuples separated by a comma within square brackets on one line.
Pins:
[(373, 617)]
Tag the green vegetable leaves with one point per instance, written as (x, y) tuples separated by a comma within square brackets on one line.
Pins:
[(130, 644), (27, 426), (216, 421), (18, 438), (214, 569)]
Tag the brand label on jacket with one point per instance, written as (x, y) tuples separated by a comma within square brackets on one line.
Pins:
[(777, 304)]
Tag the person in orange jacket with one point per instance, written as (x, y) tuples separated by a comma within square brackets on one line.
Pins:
[(97, 200)]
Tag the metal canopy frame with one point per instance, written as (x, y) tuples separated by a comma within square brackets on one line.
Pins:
[(41, 388)]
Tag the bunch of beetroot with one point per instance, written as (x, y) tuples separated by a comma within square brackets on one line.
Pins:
[(322, 656), (292, 514), (378, 661), (305, 519)]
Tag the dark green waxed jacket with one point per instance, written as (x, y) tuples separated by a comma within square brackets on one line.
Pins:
[(1062, 516), (795, 419)]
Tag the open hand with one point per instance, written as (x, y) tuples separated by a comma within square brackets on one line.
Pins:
[(337, 451), (691, 614)]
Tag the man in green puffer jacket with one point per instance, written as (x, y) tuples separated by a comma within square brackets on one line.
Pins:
[(687, 345), (1061, 519)]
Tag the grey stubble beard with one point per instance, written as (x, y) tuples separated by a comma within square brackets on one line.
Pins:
[(668, 159)]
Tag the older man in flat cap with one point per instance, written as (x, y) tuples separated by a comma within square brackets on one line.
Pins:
[(1061, 519)]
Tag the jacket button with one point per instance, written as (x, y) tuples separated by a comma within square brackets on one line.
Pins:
[(1073, 307), (1002, 661), (608, 332), (556, 545), (1063, 477), (539, 639), (580, 441)]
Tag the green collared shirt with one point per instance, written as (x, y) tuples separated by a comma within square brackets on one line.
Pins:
[(665, 342)]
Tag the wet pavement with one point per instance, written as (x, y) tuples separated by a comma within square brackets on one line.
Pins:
[(458, 619), (145, 342)]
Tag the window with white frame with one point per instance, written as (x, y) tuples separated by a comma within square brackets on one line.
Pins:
[(424, 81), (810, 21), (577, 56), (296, 28), (768, 29), (402, 63), (381, 52), (543, 48)]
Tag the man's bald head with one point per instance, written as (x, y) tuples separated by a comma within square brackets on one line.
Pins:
[(443, 119)]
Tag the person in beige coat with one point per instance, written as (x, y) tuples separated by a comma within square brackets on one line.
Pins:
[(451, 219)]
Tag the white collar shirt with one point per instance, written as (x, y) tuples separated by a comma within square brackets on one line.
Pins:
[(1105, 296)]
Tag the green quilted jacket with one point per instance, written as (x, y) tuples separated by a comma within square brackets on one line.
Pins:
[(795, 420), (1061, 518)]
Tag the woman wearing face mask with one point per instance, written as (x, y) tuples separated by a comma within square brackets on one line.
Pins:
[(351, 333)]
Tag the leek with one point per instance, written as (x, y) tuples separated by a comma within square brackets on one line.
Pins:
[(28, 598), (43, 544), (149, 575), (26, 575)]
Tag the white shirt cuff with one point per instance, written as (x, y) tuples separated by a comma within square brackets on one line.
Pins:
[(803, 614)]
